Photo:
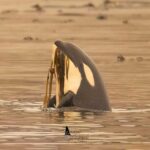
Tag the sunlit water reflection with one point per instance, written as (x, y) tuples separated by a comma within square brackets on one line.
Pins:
[(24, 123)]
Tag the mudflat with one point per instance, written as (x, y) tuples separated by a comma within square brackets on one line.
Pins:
[(114, 33)]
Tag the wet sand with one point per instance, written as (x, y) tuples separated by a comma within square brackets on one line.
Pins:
[(106, 31)]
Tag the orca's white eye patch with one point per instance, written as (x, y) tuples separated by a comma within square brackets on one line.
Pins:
[(89, 75)]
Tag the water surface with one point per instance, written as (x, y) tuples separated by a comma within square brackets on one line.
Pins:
[(24, 124)]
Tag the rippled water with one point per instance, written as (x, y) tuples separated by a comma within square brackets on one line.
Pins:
[(25, 125)]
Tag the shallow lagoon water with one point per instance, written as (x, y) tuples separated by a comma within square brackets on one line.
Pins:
[(24, 125)]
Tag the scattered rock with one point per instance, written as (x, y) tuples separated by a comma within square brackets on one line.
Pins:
[(28, 38), (106, 2), (101, 17), (68, 20), (37, 7), (67, 132), (139, 59), (35, 20), (125, 21), (120, 58), (89, 5), (37, 39), (9, 11)]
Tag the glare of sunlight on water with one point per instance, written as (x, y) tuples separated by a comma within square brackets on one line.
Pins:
[(26, 123), (130, 111)]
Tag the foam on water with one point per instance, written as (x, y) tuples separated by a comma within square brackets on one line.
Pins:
[(36, 107), (130, 110), (22, 105)]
